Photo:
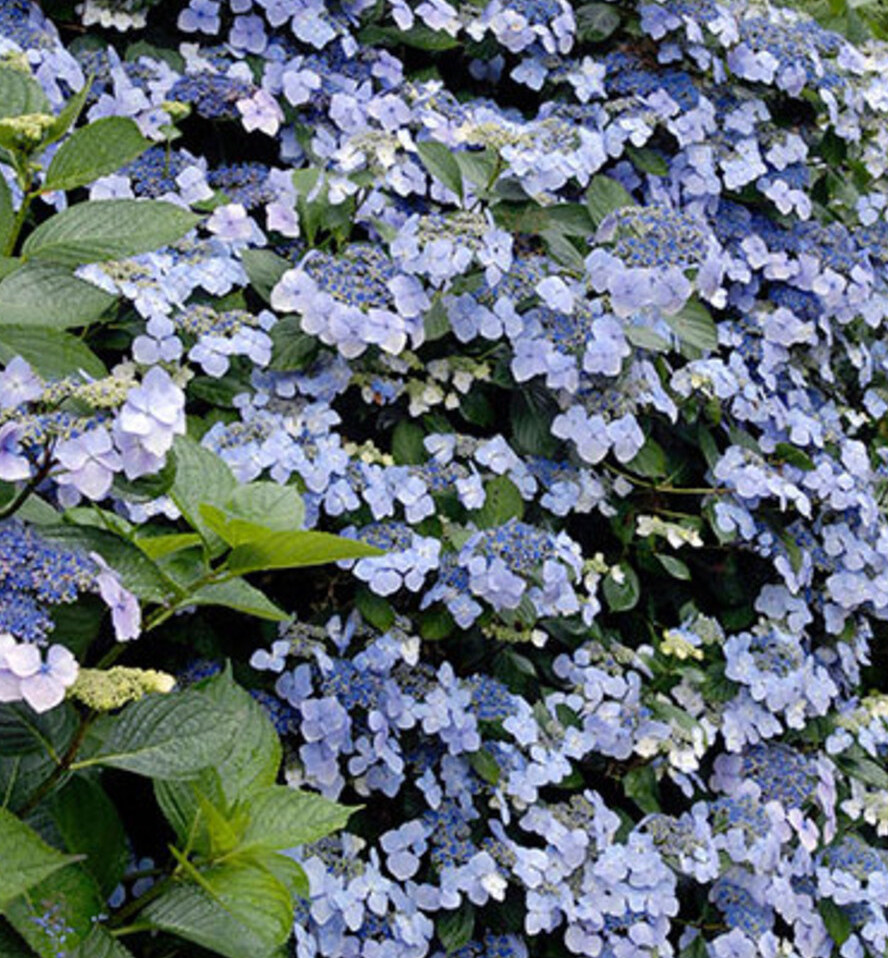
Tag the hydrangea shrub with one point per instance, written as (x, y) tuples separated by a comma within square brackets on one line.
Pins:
[(557, 332)]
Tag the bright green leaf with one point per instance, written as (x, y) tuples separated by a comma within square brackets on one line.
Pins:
[(201, 476), (7, 214), (240, 595), (292, 550)]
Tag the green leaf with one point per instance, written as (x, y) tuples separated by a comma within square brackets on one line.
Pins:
[(27, 859), (502, 502), (89, 824), (563, 250), (621, 593), (20, 93), (374, 609), (274, 507), (201, 476), (73, 899), (170, 736), (264, 269), (98, 149), (596, 22), (440, 162), (7, 214), (293, 550), (640, 784), (137, 572), (156, 547), (793, 455), (649, 461), (250, 766), (292, 349), (604, 196), (675, 567), (67, 116), (455, 928), (240, 595), (485, 766), (837, 922), (478, 166), (408, 447), (108, 229), (647, 160), (694, 326), (418, 37), (193, 913), (52, 353), (41, 294), (283, 817), (24, 731)]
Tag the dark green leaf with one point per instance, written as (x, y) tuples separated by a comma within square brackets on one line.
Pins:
[(794, 456), (89, 824), (292, 349), (137, 572), (407, 444), (647, 160), (52, 353), (170, 736), (836, 919), (41, 294), (108, 229), (264, 269), (419, 37), (24, 731), (100, 944), (98, 149), (485, 766), (455, 928), (640, 784)]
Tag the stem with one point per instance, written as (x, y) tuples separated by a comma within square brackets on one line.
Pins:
[(669, 489), (65, 763), (29, 487), (19, 220)]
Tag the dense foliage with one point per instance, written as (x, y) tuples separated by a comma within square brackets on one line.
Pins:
[(560, 328)]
